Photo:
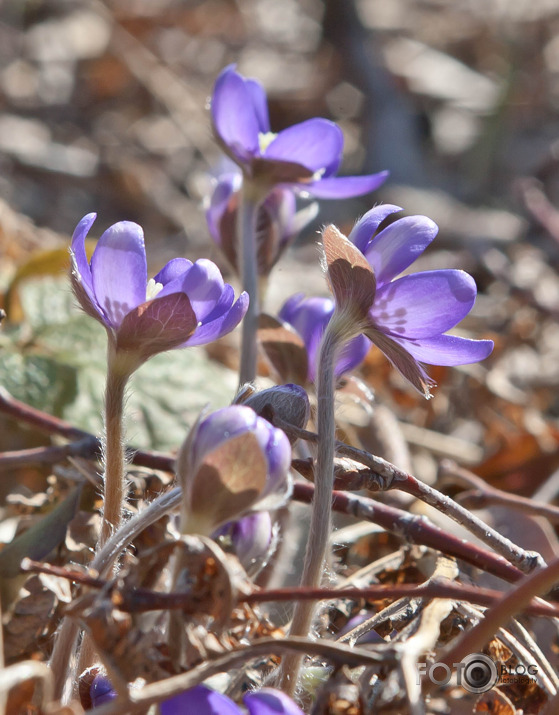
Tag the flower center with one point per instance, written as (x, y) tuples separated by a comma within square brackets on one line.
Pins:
[(265, 139), (153, 288)]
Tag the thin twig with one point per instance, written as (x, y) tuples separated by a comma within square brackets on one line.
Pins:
[(535, 584), (483, 494), (141, 600), (391, 477)]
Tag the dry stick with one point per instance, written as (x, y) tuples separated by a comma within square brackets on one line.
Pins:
[(483, 494), (53, 425), (395, 478), (19, 673), (141, 600), (321, 514), (501, 612), (426, 636), (87, 447), (413, 529)]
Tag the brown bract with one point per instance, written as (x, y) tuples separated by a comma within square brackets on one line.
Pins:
[(284, 349), (351, 278), (401, 359), (228, 482), (158, 325)]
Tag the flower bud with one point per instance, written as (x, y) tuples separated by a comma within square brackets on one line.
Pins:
[(289, 403), (251, 538), (232, 461)]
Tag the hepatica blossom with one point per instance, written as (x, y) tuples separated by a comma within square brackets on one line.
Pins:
[(186, 304), (309, 317), (406, 317), (306, 155)]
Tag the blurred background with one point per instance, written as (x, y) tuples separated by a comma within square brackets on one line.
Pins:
[(104, 107)]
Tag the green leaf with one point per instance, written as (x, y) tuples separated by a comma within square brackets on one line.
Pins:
[(36, 543), (61, 366)]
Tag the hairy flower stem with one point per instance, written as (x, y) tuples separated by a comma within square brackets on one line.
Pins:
[(113, 498), (251, 197), (317, 544)]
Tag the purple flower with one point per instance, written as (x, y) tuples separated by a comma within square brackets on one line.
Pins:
[(251, 537), (101, 691), (408, 316), (309, 317), (185, 304), (204, 701), (306, 155), (277, 224), (232, 461)]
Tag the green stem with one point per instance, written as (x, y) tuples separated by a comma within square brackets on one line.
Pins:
[(248, 263), (114, 479), (317, 544)]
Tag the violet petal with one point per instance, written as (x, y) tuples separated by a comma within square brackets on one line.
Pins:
[(271, 702), (200, 700), (119, 270), (219, 327), (175, 268), (422, 305), (316, 144), (224, 189), (352, 355), (344, 187), (259, 103), (235, 119), (79, 254), (447, 350), (368, 224), (397, 246), (203, 284)]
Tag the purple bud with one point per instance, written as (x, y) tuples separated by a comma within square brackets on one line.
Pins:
[(232, 461), (289, 403), (251, 538)]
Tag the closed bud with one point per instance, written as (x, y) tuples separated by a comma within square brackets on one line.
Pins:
[(251, 538), (289, 403), (232, 461)]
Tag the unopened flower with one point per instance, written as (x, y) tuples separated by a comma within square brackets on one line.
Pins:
[(204, 701), (406, 317), (251, 538), (290, 403), (277, 224), (306, 155), (309, 317), (186, 304), (232, 461)]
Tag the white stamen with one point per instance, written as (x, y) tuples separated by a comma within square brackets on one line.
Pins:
[(153, 288), (265, 139)]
